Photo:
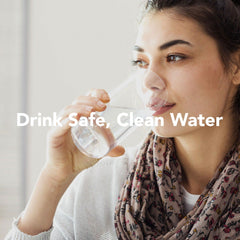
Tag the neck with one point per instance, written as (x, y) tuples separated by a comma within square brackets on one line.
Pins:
[(208, 145)]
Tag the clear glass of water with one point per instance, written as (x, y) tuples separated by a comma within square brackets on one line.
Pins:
[(128, 101)]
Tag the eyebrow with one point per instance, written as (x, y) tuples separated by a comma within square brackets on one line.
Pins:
[(165, 45)]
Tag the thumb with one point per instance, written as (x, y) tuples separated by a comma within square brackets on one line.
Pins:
[(117, 151)]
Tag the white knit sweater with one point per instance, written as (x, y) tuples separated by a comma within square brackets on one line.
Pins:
[(86, 210)]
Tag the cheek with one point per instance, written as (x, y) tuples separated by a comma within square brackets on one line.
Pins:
[(186, 86), (211, 76), (197, 89)]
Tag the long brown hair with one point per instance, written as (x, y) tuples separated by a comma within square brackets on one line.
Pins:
[(220, 19)]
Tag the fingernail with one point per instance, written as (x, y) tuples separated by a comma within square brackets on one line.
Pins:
[(100, 104), (105, 96)]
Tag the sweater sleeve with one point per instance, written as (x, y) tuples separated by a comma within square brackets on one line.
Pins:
[(62, 223), (86, 209), (16, 234)]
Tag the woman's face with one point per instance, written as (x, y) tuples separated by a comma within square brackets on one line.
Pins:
[(190, 67)]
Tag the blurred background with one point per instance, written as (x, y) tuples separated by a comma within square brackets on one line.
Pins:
[(52, 51)]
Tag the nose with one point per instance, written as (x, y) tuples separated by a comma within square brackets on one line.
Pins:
[(152, 88), (152, 81)]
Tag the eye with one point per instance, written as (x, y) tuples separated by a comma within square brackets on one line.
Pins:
[(175, 58), (139, 63)]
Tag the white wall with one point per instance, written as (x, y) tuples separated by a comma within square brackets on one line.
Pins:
[(10, 99), (75, 45)]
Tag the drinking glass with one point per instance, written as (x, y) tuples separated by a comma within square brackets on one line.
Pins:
[(129, 101)]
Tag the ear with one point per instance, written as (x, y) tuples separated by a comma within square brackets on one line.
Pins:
[(236, 68)]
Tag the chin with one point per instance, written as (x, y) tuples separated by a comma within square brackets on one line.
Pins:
[(162, 132), (170, 132)]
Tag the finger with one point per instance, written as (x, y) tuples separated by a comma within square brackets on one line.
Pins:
[(99, 93), (88, 105), (59, 131), (67, 120), (117, 151), (82, 110), (97, 104)]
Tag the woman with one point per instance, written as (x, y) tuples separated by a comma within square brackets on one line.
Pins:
[(185, 180)]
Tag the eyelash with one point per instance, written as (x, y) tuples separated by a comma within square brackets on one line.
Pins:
[(138, 61), (175, 55)]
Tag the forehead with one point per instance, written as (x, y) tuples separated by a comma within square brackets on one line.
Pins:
[(165, 25)]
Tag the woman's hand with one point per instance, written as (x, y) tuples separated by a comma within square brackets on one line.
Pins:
[(64, 160)]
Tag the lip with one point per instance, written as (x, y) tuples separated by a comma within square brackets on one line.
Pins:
[(162, 109)]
